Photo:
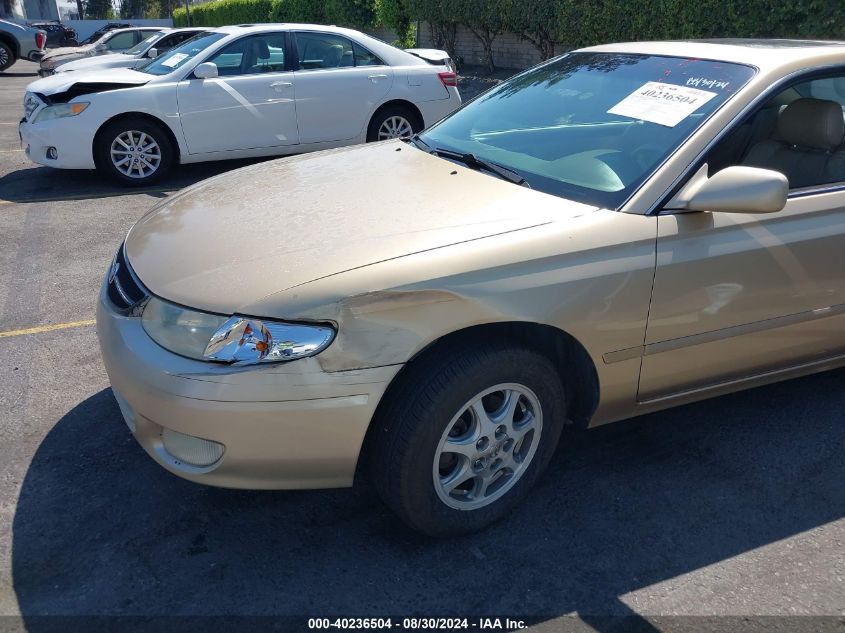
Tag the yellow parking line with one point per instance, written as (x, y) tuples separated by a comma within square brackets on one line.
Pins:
[(47, 328), (10, 151)]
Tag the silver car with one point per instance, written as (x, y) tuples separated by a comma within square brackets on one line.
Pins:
[(111, 42)]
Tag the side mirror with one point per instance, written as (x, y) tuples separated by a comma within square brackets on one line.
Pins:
[(100, 48), (152, 53), (735, 189), (206, 70)]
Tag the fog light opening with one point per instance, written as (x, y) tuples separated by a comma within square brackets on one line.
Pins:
[(193, 451), (52, 153)]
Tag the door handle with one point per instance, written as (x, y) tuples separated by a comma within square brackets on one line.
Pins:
[(375, 78), (278, 86)]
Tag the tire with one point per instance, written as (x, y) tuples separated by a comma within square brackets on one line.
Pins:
[(393, 117), (125, 134), (7, 56), (432, 403)]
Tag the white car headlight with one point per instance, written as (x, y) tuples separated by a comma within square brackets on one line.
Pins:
[(61, 110), (237, 339)]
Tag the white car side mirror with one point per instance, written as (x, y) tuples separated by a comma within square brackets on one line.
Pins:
[(99, 48), (206, 70), (152, 53), (735, 189)]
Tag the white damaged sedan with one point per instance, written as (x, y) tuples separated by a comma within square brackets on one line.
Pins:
[(235, 92)]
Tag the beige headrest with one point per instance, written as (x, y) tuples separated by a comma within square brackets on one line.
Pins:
[(813, 123)]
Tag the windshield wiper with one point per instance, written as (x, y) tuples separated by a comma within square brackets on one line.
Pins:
[(472, 161), (416, 140)]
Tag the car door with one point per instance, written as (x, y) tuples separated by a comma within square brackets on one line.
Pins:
[(738, 295), (338, 86), (250, 105)]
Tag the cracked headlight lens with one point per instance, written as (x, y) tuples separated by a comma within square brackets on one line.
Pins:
[(237, 339)]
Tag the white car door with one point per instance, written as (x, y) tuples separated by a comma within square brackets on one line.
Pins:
[(338, 85), (250, 105)]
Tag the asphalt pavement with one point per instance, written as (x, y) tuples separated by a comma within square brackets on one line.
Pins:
[(723, 515)]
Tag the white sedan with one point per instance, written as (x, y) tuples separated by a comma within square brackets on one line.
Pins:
[(235, 92), (151, 47)]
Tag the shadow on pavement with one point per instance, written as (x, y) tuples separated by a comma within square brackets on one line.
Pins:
[(101, 530), (45, 184), (6, 73)]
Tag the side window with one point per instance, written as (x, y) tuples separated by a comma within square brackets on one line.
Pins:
[(800, 132), (121, 41), (323, 50), (169, 41), (256, 54), (363, 57)]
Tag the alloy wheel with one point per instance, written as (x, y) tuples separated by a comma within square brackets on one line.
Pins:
[(4, 57), (487, 447), (395, 127), (135, 154)]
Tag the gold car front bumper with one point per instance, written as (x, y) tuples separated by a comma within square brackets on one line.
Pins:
[(279, 426)]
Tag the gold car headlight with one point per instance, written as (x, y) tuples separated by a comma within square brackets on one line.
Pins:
[(237, 339)]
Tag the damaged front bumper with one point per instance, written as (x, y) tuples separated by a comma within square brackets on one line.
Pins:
[(278, 426)]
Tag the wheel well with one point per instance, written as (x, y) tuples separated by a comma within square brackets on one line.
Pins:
[(11, 43), (142, 115), (575, 366), (398, 102)]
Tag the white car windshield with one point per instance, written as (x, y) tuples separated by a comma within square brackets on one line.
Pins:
[(181, 55), (141, 46), (590, 127)]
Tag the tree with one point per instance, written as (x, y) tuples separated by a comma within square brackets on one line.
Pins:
[(440, 15), (99, 10), (394, 15), (537, 22), (355, 13), (486, 19)]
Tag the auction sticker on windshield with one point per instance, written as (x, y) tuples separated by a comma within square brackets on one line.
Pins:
[(664, 104), (174, 61)]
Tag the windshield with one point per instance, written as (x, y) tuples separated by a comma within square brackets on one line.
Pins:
[(180, 55), (141, 46), (591, 127)]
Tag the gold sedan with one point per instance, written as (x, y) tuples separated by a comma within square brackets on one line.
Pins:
[(621, 229)]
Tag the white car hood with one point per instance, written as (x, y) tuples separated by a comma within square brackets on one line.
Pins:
[(61, 82), (102, 62)]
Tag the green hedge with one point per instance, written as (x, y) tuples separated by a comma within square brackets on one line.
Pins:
[(544, 23)]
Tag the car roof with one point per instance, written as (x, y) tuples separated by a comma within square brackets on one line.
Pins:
[(155, 29), (767, 54), (286, 26)]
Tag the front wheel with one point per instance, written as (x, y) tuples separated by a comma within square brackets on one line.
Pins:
[(395, 121), (7, 57), (133, 151), (462, 439)]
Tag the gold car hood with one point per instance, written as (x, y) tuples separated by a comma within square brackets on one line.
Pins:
[(232, 240)]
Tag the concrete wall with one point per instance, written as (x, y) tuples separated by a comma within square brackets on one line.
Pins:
[(509, 50), (84, 28)]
